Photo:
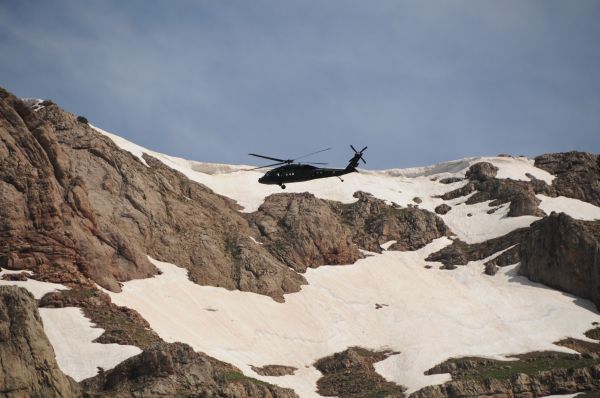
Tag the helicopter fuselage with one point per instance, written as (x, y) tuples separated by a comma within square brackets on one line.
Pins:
[(300, 172)]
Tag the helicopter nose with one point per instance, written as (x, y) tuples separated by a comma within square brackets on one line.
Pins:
[(261, 179)]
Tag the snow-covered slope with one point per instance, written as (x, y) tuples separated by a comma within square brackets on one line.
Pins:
[(429, 316), (426, 313)]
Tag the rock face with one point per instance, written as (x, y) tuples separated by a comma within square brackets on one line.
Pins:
[(175, 370), (577, 175), (533, 374), (76, 209), (351, 374), (28, 366), (565, 254), (373, 222), (303, 231)]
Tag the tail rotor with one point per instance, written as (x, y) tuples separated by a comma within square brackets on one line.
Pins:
[(358, 155)]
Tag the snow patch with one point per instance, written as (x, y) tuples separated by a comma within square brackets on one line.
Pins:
[(34, 103), (575, 208), (518, 168), (472, 223), (37, 288), (71, 335), (387, 245), (432, 315), (255, 241)]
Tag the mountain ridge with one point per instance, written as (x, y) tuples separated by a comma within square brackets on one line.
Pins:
[(80, 211)]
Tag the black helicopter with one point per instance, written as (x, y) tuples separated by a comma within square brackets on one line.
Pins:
[(297, 172)]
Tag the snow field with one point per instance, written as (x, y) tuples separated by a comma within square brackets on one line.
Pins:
[(431, 315)]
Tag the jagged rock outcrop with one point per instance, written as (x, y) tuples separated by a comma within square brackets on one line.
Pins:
[(28, 366), (351, 374), (551, 382), (373, 222), (533, 374), (577, 175), (174, 370), (460, 253), (303, 231), (274, 370), (520, 194), (76, 209), (563, 253)]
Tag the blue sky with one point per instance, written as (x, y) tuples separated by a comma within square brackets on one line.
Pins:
[(417, 81)]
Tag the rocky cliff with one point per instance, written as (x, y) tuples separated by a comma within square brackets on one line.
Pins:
[(563, 253), (577, 175), (28, 366), (76, 209)]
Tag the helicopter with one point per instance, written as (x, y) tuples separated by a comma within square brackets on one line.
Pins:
[(297, 172)]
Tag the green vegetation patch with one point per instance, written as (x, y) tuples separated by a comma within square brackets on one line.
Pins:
[(237, 376), (530, 364)]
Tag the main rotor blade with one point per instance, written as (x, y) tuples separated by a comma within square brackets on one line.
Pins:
[(267, 157), (314, 163), (312, 153), (268, 165)]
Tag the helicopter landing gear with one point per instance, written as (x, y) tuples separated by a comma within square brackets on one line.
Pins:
[(282, 186)]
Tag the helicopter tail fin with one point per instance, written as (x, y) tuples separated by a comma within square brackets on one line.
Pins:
[(353, 163)]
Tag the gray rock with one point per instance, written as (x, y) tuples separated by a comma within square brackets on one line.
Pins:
[(577, 175), (491, 269), (442, 209), (481, 171), (450, 180)]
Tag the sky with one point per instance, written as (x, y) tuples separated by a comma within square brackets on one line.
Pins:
[(419, 82)]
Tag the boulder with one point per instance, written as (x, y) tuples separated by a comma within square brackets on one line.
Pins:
[(563, 253), (481, 171), (442, 209)]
